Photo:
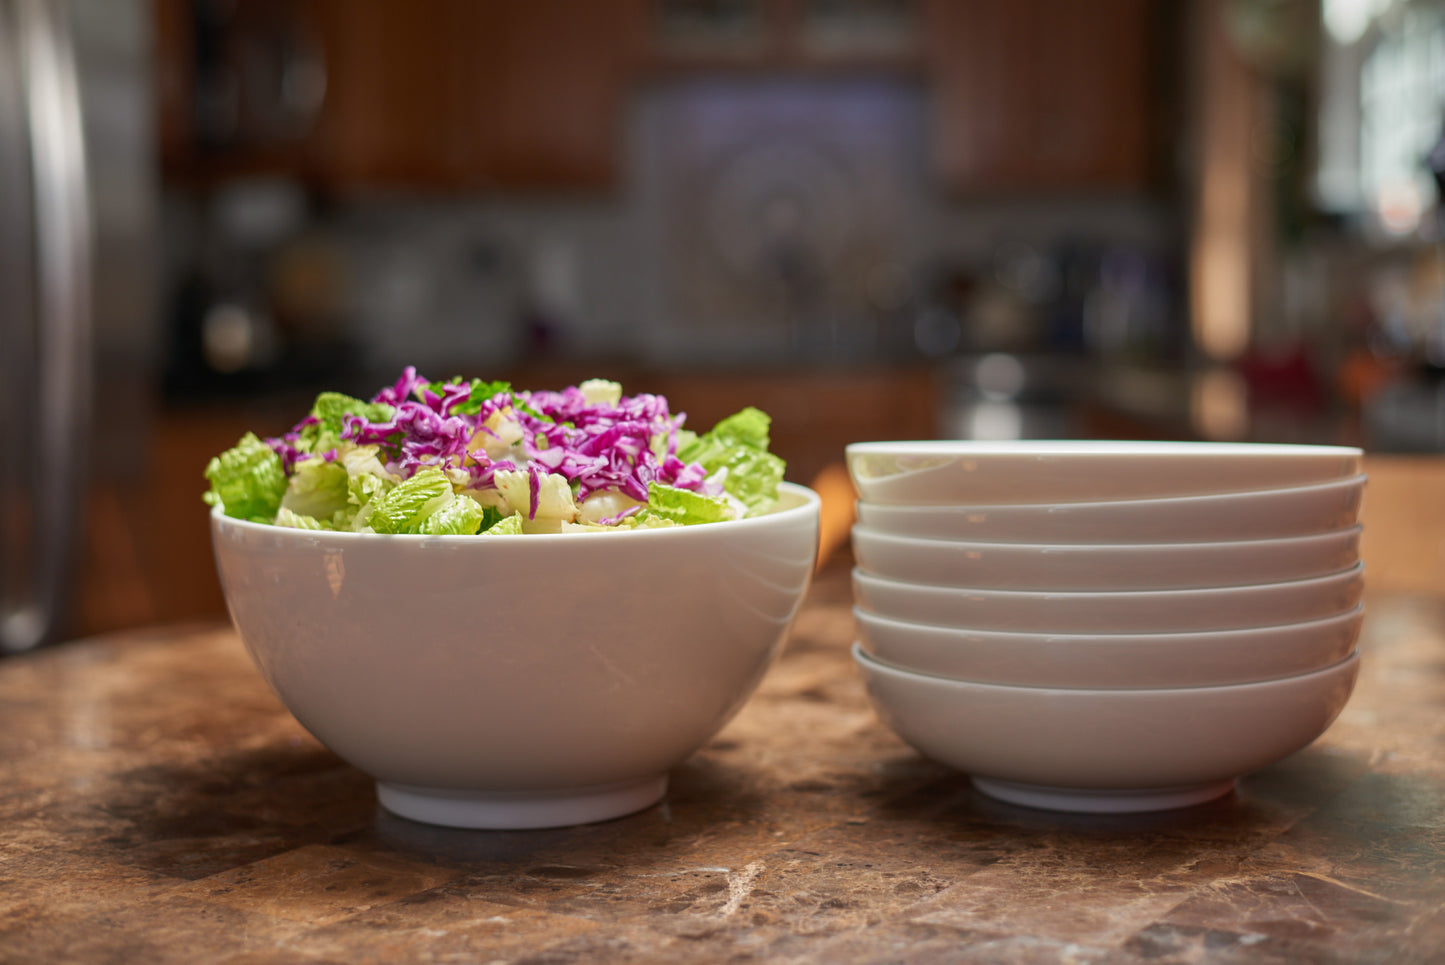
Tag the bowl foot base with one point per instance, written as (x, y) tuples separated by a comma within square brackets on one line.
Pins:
[(516, 810), (1101, 800)]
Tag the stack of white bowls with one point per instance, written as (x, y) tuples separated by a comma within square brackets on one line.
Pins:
[(1107, 626)]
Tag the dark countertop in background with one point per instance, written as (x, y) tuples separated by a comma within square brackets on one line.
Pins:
[(157, 804)]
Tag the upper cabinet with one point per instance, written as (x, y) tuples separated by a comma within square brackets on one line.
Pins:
[(1052, 95), (478, 93), (784, 35), (1025, 95), (544, 95), (439, 94)]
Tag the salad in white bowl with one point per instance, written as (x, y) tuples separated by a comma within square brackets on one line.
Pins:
[(463, 458), (509, 681)]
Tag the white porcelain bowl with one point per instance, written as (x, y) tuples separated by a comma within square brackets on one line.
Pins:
[(518, 681), (1110, 660), (1107, 750), (1141, 611), (1262, 514), (1109, 566), (972, 473)]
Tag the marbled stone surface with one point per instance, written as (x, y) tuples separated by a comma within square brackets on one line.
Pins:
[(158, 805)]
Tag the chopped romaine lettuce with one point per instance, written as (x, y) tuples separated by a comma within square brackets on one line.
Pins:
[(506, 526), (459, 516), (247, 480), (410, 503), (285, 517), (736, 453), (685, 506), (362, 492), (317, 488), (321, 431)]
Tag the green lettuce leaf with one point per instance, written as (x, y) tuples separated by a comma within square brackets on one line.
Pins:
[(247, 480), (506, 526), (685, 506), (362, 492), (646, 520), (410, 503), (491, 516), (460, 517), (285, 517), (318, 488), (324, 434), (481, 392), (739, 445), (748, 428)]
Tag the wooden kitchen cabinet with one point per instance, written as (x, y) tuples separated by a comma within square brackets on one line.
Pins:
[(1026, 95), (1042, 94), (543, 91), (393, 84), (476, 93), (437, 94)]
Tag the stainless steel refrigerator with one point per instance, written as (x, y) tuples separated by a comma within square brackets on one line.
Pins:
[(78, 326)]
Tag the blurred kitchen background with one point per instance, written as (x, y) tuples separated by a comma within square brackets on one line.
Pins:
[(1202, 219)]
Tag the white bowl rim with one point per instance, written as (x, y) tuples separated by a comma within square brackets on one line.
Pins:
[(1022, 595), (938, 629), (1000, 545), (811, 501), (867, 660), (1094, 447), (1161, 502)]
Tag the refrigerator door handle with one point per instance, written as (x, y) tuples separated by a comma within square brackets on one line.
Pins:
[(62, 244)]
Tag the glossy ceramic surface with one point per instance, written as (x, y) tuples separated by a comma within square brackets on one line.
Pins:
[(1112, 566), (1107, 750), (970, 473), (1122, 660), (1143, 611), (1263, 514), (518, 681)]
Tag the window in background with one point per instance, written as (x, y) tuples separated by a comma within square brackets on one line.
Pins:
[(1382, 110)]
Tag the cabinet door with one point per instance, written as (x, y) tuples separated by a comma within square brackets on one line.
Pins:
[(1041, 94), (239, 87), (541, 91), (390, 93), (479, 93)]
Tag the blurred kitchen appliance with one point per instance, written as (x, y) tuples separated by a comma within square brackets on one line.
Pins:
[(76, 221)]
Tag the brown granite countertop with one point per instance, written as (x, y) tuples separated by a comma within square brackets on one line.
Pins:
[(158, 805)]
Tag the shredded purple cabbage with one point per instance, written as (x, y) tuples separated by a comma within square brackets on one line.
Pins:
[(286, 447), (596, 447)]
